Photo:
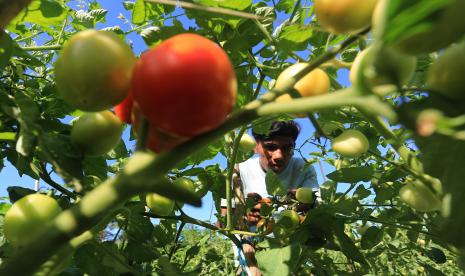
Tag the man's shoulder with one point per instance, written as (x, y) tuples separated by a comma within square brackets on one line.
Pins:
[(249, 162)]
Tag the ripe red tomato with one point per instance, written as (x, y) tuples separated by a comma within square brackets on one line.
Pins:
[(123, 110), (157, 140), (185, 86)]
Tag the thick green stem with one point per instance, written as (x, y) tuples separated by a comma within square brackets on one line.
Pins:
[(42, 48)]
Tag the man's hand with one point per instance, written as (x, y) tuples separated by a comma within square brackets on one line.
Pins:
[(254, 215)]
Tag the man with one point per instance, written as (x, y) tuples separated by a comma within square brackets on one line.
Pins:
[(275, 152)]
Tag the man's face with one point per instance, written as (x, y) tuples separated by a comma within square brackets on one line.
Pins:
[(275, 153)]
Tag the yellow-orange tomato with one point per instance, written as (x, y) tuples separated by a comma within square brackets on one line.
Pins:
[(314, 83), (344, 16)]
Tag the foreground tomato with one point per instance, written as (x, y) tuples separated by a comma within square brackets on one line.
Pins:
[(159, 205), (185, 86), (351, 143), (96, 133), (93, 72), (419, 197), (447, 26), (385, 69), (304, 195), (288, 219), (28, 216), (124, 109), (344, 16), (446, 73)]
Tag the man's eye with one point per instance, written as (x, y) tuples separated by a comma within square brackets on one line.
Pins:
[(271, 147)]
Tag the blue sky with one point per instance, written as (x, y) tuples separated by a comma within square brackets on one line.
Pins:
[(9, 175)]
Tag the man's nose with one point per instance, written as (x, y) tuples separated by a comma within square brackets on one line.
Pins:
[(278, 154)]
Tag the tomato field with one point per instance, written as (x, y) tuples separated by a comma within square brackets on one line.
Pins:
[(379, 81)]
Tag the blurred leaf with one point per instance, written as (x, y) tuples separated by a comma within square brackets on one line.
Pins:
[(274, 186), (351, 175), (279, 261), (15, 193), (372, 237)]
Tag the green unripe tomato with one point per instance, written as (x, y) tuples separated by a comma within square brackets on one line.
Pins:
[(28, 216), (96, 133), (159, 205), (186, 184), (304, 195), (419, 197), (247, 143), (445, 75), (351, 143), (94, 70), (288, 219), (384, 69)]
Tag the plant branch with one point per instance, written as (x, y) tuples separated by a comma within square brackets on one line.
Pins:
[(42, 48), (46, 177)]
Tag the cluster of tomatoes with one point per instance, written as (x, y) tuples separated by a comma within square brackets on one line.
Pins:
[(183, 87)]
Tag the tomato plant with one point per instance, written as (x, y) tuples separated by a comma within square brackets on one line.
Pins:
[(351, 143), (93, 72), (96, 133), (24, 220), (344, 16), (185, 86)]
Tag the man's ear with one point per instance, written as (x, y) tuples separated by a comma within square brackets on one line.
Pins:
[(258, 147)]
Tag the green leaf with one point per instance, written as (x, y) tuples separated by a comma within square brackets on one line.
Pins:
[(45, 13), (285, 6), (274, 186), (361, 192), (294, 38), (436, 255), (7, 136), (279, 261), (351, 175), (372, 237), (58, 150), (6, 49), (139, 228), (347, 245), (15, 193)]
